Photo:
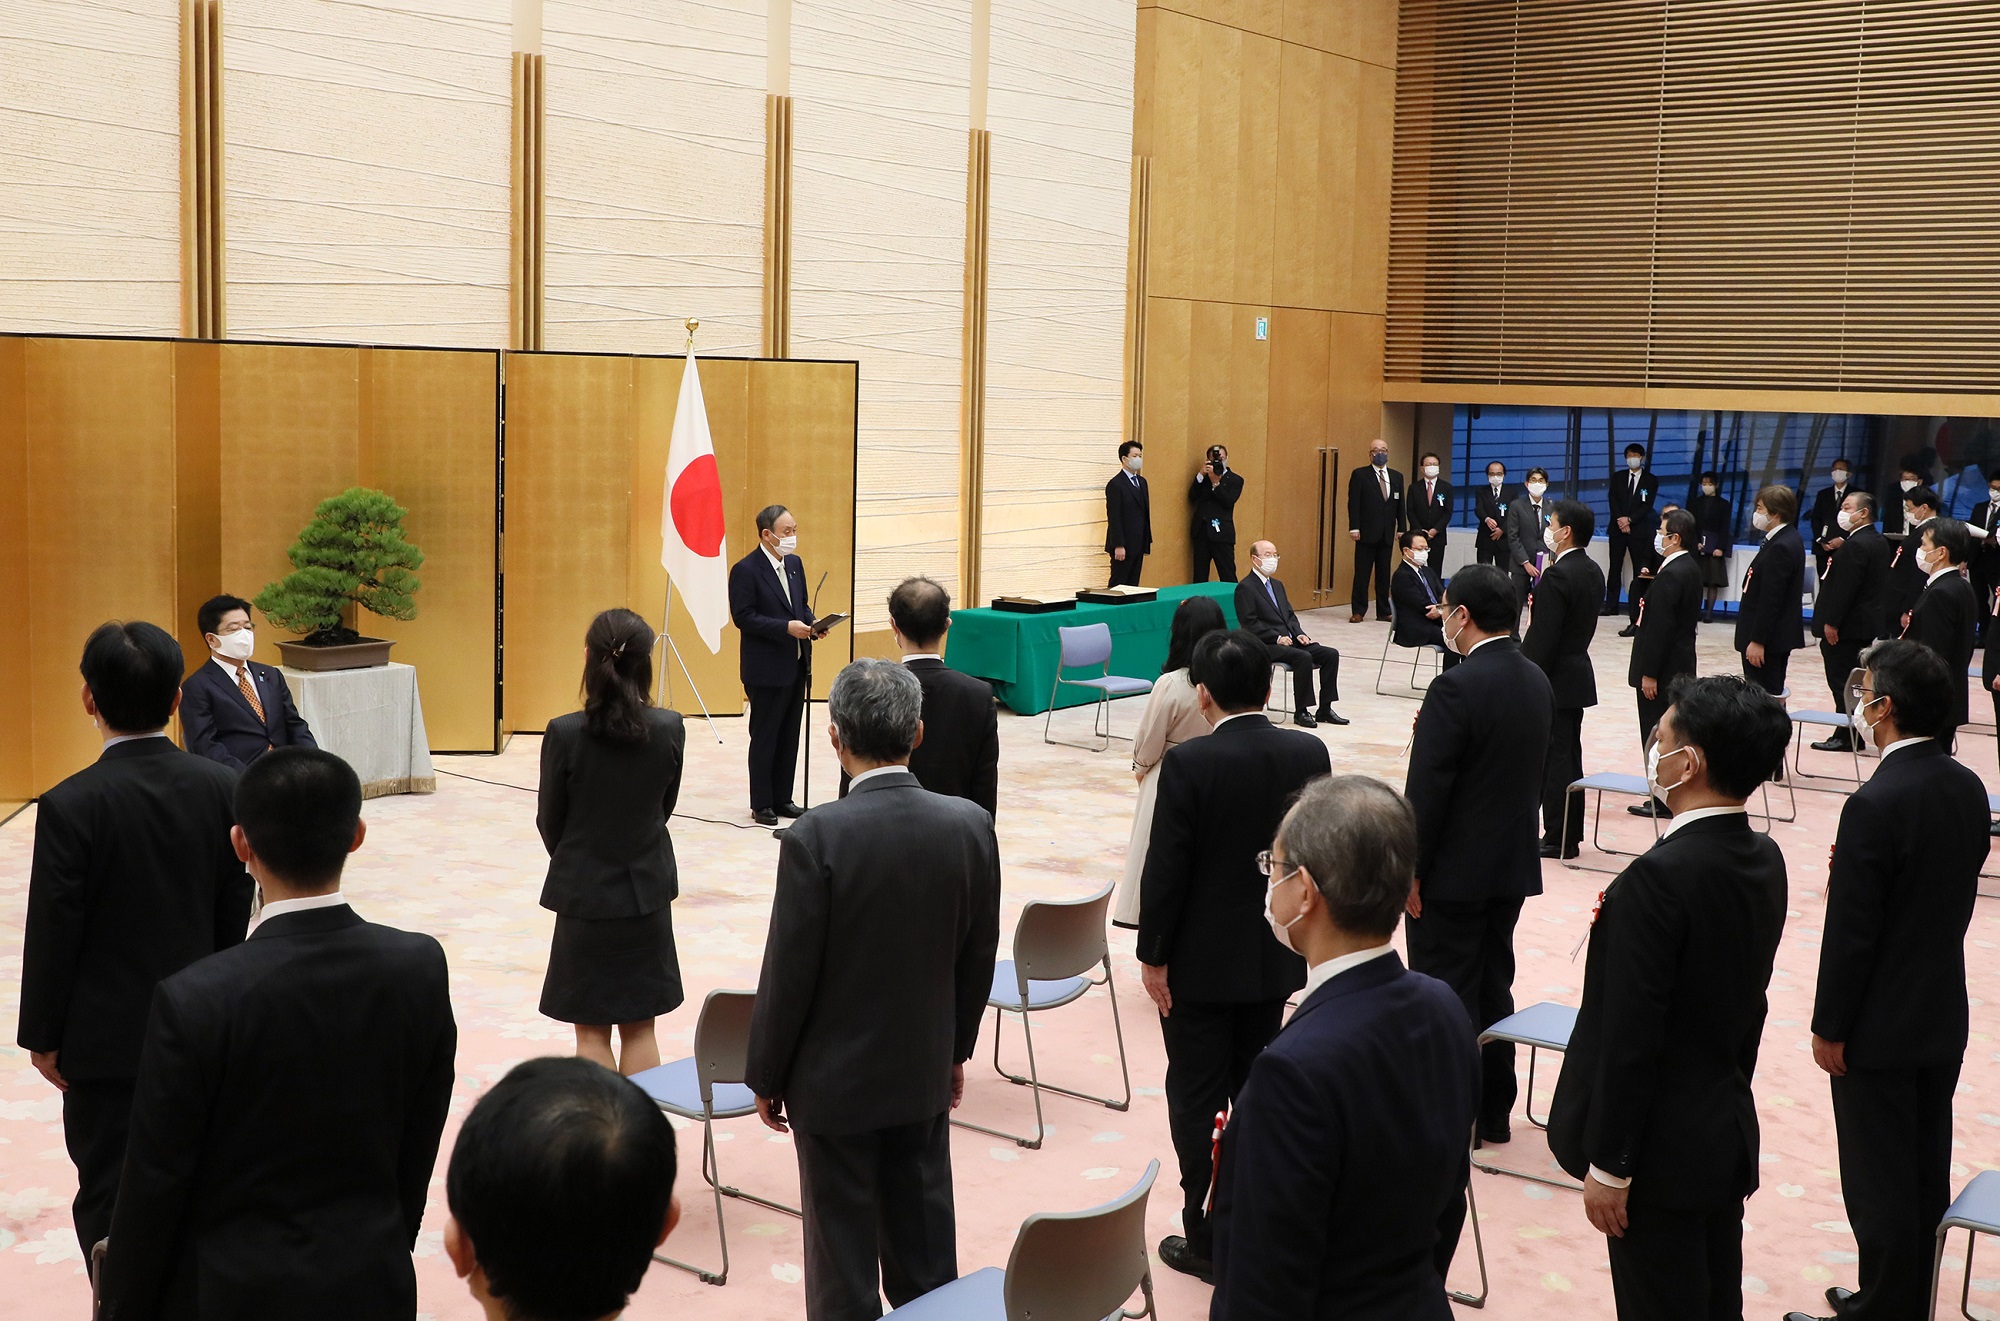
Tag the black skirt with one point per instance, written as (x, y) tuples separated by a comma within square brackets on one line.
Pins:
[(612, 970)]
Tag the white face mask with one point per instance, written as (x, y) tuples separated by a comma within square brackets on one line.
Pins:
[(1135, 462), (1653, 770), (1839, 477), (1496, 483), (787, 545), (236, 646), (1760, 520), (1431, 470), (1909, 484), (1535, 489), (1909, 515), (1451, 639), (1659, 543), (1929, 561), (1268, 566), (1420, 558), (1863, 726), (1282, 930), (1708, 488), (1634, 462), (1995, 494), (1848, 520)]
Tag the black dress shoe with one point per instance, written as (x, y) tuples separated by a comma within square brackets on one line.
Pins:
[(1808, 1316), (1993, 829), (1837, 743), (1495, 1132), (1652, 807), (763, 816), (1329, 716), (1551, 850), (1838, 1298), (791, 809), (1304, 720), (1175, 1252), (1629, 631)]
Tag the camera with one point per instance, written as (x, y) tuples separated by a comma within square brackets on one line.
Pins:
[(1215, 458)]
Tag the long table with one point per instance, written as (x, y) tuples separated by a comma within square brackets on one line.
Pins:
[(1017, 653)]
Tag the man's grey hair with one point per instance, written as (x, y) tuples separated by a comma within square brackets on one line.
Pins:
[(1358, 838), (876, 705)]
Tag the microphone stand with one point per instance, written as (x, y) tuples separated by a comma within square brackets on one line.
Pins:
[(805, 723)]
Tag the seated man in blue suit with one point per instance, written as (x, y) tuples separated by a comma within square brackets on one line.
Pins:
[(233, 709), (1342, 1185)]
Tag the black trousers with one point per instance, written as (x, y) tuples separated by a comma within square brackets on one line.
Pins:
[(1303, 661), (1125, 572), (1209, 1050), (877, 1207), (1894, 1129), (1675, 1265), (1563, 768), (1622, 549), (1221, 554), (1771, 675), (97, 1115), (775, 714), (1379, 557), (1469, 946), (1840, 659)]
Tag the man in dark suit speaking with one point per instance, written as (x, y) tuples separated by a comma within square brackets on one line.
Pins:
[(1128, 516), (292, 1090), (133, 879), (876, 971), (771, 608), (1341, 1190), (1205, 952), (1653, 1111), (1558, 640), (1475, 782), (1266, 613), (234, 710)]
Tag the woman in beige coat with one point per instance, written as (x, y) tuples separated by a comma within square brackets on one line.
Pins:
[(1173, 716)]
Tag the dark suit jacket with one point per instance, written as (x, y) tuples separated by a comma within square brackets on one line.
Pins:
[(1213, 508), (1486, 505), (1414, 591), (1906, 579), (217, 721), (1257, 612), (1656, 1083), (1430, 516), (133, 879), (1768, 610), (1568, 596), (285, 1126), (1475, 779), (1854, 588), (1201, 904), (1526, 529), (960, 754), (602, 812), (1944, 619), (1985, 517), (879, 959), (770, 656), (1899, 897), (1128, 516), (1624, 502), (1825, 518), (1378, 520), (1716, 522), (1343, 1172), (1664, 649)]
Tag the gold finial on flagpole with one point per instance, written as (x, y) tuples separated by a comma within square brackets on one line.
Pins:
[(692, 326)]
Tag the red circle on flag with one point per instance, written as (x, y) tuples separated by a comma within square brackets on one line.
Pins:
[(697, 507)]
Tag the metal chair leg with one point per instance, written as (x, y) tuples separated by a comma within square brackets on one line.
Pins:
[(1479, 1250), (1124, 1070), (1041, 1130), (1528, 1108), (721, 1229)]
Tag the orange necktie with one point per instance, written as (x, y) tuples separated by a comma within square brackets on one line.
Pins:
[(249, 690)]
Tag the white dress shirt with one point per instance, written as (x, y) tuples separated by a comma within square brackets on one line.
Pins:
[(1671, 558), (1904, 743), (229, 668), (1939, 573), (1226, 719), (777, 563), (116, 739), (331, 899), (1322, 973), (923, 655), (858, 780)]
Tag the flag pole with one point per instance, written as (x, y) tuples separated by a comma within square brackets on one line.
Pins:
[(667, 614)]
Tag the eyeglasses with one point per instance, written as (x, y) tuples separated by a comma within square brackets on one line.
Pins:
[(1268, 864)]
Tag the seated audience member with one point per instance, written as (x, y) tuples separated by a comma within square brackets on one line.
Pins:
[(1946, 615), (292, 1089), (561, 1185), (1265, 611), (233, 709), (1419, 598), (1654, 1111), (1341, 1190)]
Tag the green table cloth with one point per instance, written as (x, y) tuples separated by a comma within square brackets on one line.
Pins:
[(1017, 654)]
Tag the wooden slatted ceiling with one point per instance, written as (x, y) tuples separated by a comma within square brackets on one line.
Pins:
[(1697, 194)]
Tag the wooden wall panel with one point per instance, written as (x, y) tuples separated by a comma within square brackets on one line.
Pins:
[(197, 491), (1318, 138), (1264, 17), (1359, 29), (17, 772), (1297, 426)]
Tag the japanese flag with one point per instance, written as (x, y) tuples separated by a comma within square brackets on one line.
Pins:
[(691, 533)]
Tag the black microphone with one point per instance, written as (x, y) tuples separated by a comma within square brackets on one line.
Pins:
[(822, 583)]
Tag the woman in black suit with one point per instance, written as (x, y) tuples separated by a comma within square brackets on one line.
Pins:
[(1717, 521), (610, 775)]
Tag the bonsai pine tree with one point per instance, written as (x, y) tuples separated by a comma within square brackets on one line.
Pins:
[(352, 551)]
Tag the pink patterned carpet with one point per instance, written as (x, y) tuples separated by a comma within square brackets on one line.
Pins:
[(466, 866)]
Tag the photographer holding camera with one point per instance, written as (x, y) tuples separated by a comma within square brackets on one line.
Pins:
[(1213, 497)]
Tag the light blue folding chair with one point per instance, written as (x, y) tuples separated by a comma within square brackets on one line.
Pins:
[(1545, 1026), (1084, 647), (1976, 1211), (1411, 690)]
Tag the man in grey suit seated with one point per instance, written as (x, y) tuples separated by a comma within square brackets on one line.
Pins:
[(876, 971)]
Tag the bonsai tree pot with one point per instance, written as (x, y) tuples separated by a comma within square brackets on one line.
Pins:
[(359, 655)]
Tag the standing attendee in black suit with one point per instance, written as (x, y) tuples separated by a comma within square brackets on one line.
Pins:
[(1266, 612), (234, 710), (292, 1089), (1890, 1018), (1637, 595), (1419, 599), (1205, 951), (959, 753), (1489, 507), (1906, 571), (1984, 567), (1475, 781), (611, 774), (1946, 616), (1429, 504), (1770, 624), (1827, 533), (1374, 518), (1715, 520), (876, 971), (1558, 640), (1128, 516), (1360, 1106), (1630, 496), (1989, 676), (133, 879), (1654, 1111), (1664, 648), (1527, 526), (1896, 513), (1212, 530), (561, 1184), (1851, 610), (773, 611)]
